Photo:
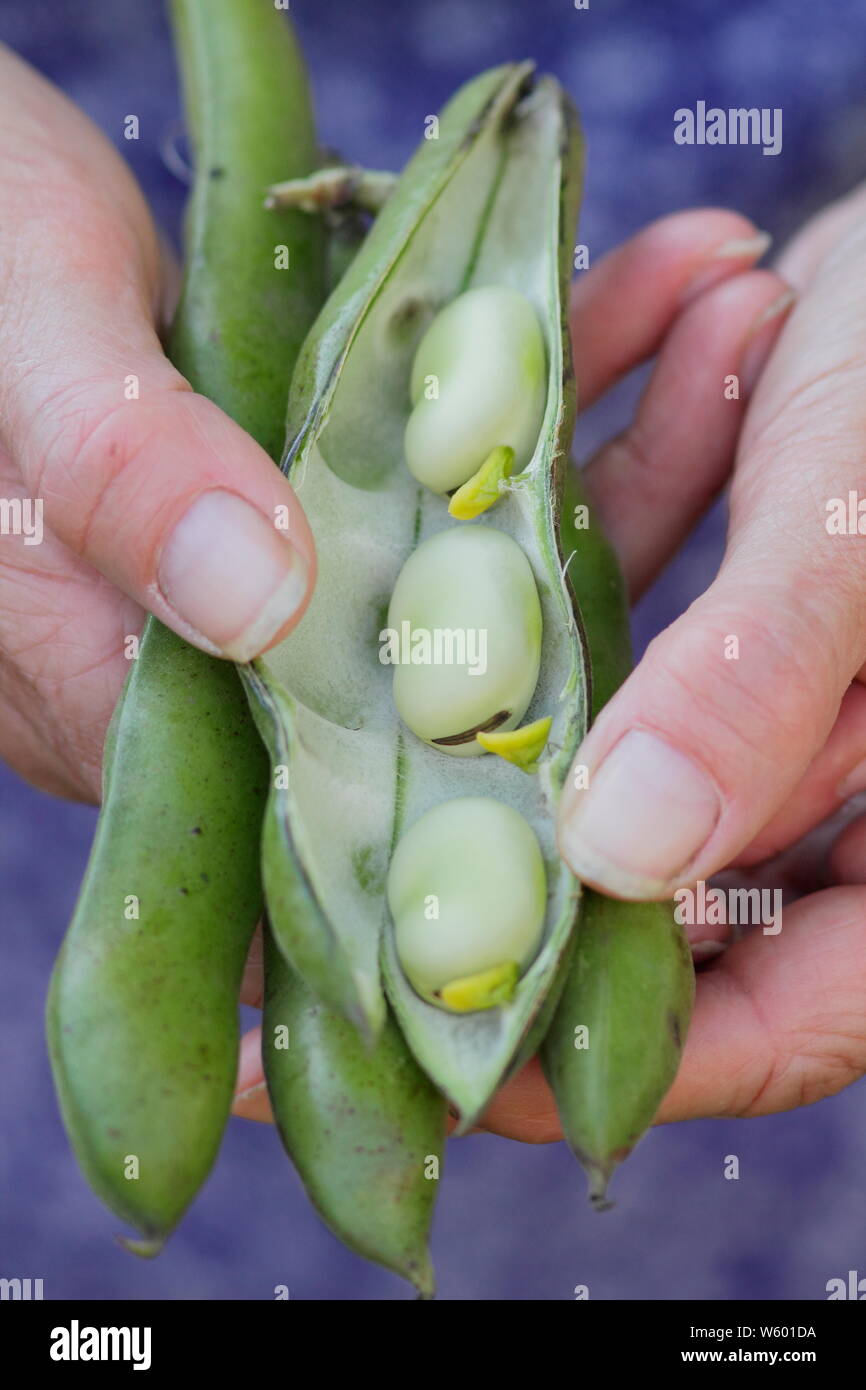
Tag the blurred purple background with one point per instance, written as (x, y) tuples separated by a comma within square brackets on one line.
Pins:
[(512, 1221)]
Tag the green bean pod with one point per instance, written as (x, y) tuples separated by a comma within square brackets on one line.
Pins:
[(142, 1012), (614, 1044), (243, 315), (491, 202), (365, 1128)]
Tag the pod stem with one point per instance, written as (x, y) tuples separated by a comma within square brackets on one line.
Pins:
[(342, 186)]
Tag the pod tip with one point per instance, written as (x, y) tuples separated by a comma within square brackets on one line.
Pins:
[(599, 1200), (421, 1277), (465, 1121), (598, 1177), (146, 1248)]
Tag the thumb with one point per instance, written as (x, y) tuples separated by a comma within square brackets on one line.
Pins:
[(149, 482), (710, 736), (712, 732), (163, 494), (168, 498)]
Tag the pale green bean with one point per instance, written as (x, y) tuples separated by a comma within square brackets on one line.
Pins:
[(478, 381), (467, 891), (464, 630)]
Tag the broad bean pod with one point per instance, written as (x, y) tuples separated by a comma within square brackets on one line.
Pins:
[(142, 1014)]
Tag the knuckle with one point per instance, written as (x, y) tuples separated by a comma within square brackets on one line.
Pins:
[(806, 1067), (743, 681), (818, 1048), (88, 441), (811, 400), (830, 1063), (810, 420), (84, 442), (633, 457)]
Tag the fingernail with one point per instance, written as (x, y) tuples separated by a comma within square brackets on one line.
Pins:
[(646, 814), (228, 573), (707, 950), (749, 248), (247, 1104), (853, 782), (250, 1092), (758, 342), (717, 264)]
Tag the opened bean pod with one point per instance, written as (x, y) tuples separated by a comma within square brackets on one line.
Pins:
[(470, 255)]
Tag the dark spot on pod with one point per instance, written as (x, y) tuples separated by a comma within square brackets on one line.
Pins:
[(676, 1031), (406, 320), (379, 615), (216, 172), (196, 830)]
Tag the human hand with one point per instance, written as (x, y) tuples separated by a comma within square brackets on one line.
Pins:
[(747, 764), (158, 503)]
